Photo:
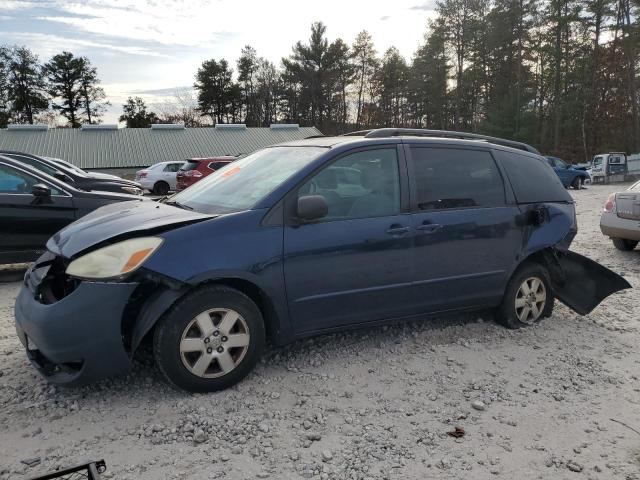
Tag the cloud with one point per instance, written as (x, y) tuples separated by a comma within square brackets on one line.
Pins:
[(55, 43), (427, 6), (385, 17)]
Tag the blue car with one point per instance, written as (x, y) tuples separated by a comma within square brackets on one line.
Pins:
[(569, 175), (301, 239)]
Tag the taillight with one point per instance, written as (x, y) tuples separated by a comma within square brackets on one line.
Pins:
[(142, 174), (193, 173), (610, 204)]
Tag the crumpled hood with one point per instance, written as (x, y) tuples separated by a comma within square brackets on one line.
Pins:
[(119, 219)]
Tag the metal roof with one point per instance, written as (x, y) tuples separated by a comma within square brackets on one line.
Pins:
[(141, 147)]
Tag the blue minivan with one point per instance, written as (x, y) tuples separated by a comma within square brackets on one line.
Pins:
[(305, 238)]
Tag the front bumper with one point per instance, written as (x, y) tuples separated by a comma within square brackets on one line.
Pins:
[(616, 227), (77, 339)]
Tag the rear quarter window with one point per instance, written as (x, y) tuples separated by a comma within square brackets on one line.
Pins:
[(532, 179)]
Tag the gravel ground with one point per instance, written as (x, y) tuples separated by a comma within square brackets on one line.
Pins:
[(558, 400)]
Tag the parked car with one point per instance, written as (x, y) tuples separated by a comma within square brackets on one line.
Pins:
[(620, 218), (80, 171), (276, 247), (195, 169), (159, 178), (569, 175), (34, 206), (82, 181), (609, 167)]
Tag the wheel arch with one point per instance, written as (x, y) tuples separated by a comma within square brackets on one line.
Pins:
[(163, 300)]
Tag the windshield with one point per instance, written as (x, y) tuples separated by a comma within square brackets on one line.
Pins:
[(243, 183)]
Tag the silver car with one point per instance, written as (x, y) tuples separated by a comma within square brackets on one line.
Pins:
[(620, 218)]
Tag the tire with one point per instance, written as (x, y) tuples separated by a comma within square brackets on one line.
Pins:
[(624, 245), (577, 183), (161, 188), (511, 311), (193, 361)]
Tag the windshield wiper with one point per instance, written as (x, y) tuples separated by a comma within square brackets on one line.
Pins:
[(178, 204)]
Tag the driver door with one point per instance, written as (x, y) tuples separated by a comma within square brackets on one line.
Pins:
[(26, 221), (354, 265)]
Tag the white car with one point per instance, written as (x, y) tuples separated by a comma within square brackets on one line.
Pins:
[(620, 218), (159, 178)]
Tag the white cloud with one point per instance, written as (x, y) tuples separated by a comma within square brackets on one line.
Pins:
[(50, 44)]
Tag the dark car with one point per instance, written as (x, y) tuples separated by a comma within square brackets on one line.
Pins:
[(34, 205), (304, 238), (195, 169), (80, 179), (569, 175)]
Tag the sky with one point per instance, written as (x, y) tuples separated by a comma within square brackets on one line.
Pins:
[(151, 48)]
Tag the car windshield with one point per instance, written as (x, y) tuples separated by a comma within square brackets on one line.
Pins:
[(243, 183)]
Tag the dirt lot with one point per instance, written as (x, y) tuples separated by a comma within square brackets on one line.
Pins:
[(543, 402)]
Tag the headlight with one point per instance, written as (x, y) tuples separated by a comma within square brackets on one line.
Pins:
[(115, 260), (132, 190)]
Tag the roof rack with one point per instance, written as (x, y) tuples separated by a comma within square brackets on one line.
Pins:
[(420, 132)]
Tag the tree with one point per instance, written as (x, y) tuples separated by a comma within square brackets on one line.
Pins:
[(135, 114), (365, 64), (248, 66), (65, 74), (214, 83), (25, 87), (91, 93)]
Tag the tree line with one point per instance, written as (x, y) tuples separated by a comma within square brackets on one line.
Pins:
[(561, 75), (31, 91)]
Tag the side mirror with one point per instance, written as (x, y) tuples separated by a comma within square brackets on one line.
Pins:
[(312, 207), (61, 176), (40, 190)]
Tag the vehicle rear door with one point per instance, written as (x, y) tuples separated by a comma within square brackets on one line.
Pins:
[(354, 265), (169, 173), (27, 221), (466, 237)]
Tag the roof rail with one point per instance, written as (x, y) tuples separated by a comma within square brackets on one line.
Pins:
[(420, 132)]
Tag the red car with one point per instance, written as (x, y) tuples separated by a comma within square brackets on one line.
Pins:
[(195, 169)]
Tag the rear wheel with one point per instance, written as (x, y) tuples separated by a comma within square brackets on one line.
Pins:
[(210, 340), (624, 245), (161, 188), (578, 183), (528, 297)]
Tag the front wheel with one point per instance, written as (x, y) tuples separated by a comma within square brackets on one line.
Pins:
[(528, 297), (624, 245), (209, 340)]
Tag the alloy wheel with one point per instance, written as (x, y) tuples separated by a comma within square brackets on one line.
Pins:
[(531, 299), (214, 343)]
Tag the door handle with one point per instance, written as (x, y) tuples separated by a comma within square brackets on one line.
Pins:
[(429, 227), (398, 230)]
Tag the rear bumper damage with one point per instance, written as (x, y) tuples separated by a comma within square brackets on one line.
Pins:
[(580, 283)]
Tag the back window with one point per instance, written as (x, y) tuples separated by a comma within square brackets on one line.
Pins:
[(532, 179), (189, 165), (448, 178)]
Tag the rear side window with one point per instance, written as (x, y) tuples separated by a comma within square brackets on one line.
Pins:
[(172, 167), (532, 179), (449, 178), (216, 165), (189, 165)]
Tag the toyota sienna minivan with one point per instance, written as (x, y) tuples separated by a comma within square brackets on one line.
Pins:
[(301, 239)]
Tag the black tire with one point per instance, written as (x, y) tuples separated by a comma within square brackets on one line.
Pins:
[(506, 313), (171, 331), (161, 188), (577, 183), (624, 245)]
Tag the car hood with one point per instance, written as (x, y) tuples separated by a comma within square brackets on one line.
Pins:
[(103, 176), (122, 219)]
